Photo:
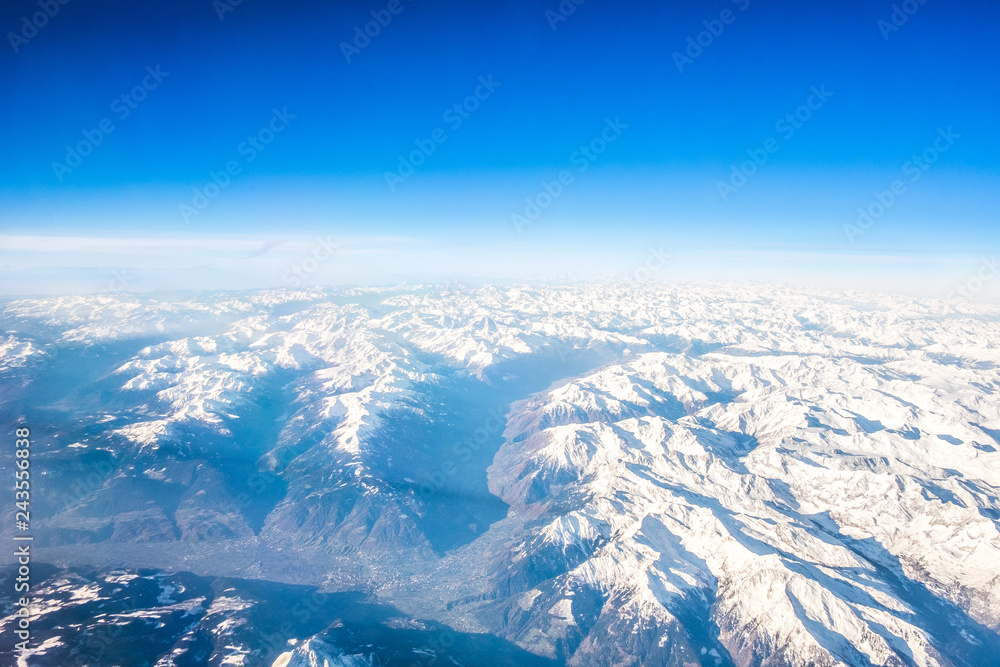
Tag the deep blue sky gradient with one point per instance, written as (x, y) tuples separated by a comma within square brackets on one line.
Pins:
[(609, 59)]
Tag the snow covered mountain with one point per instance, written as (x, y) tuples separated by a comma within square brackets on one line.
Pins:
[(596, 474)]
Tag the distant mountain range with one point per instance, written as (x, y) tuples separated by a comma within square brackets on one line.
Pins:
[(586, 475)]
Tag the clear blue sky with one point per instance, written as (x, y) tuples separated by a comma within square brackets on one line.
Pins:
[(892, 90)]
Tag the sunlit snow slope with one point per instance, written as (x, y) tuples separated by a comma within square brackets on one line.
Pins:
[(716, 475)]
